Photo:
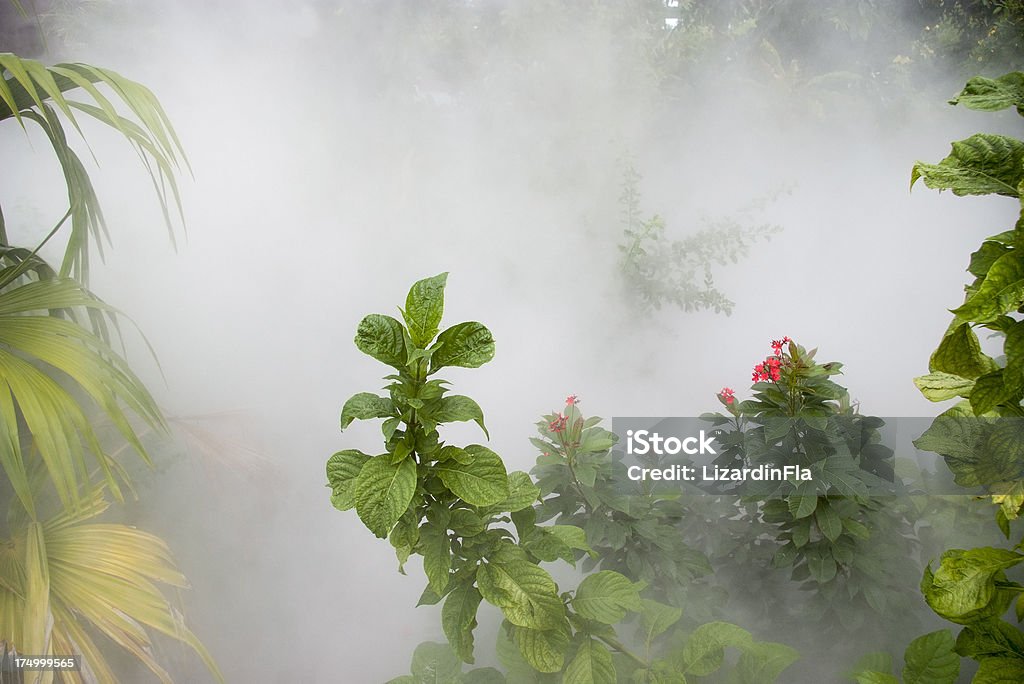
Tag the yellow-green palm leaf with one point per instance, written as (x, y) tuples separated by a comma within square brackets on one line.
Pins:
[(51, 370), (103, 575)]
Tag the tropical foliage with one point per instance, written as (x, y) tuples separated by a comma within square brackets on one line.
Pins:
[(66, 578), (980, 437)]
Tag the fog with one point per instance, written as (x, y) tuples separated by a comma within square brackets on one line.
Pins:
[(341, 151)]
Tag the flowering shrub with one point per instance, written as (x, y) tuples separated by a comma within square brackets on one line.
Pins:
[(838, 541), (452, 506)]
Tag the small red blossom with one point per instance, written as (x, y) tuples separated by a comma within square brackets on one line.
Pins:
[(727, 395), (571, 400), (778, 344), (558, 424)]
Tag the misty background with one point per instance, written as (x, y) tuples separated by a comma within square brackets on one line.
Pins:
[(343, 150)]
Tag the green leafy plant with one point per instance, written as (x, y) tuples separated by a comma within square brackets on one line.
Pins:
[(843, 540), (630, 528), (441, 501), (457, 507), (980, 438)]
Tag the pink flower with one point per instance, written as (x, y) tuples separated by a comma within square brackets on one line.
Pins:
[(558, 424), (727, 394), (571, 400)]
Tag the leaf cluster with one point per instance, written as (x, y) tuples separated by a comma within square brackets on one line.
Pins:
[(631, 528), (981, 438)]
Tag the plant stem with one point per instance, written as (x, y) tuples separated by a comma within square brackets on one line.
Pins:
[(621, 648), (23, 266)]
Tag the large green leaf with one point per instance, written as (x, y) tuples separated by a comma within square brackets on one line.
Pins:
[(525, 593), (434, 663), (424, 307), (1013, 347), (960, 354), (606, 597), (1001, 292), (383, 338), (542, 649), (437, 555), (1000, 671), (365, 406), (963, 588), (763, 662), (983, 164), (931, 659), (705, 649), (829, 522), (456, 407), (458, 619), (383, 491), (468, 345), (821, 564), (519, 670), (656, 618), (993, 94), (990, 639), (802, 505), (961, 441), (942, 386), (342, 470), (522, 493), (480, 480), (592, 664)]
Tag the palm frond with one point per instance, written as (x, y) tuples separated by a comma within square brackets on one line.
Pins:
[(34, 92), (103, 575), (50, 369)]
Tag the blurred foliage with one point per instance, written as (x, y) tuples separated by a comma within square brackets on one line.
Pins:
[(658, 270)]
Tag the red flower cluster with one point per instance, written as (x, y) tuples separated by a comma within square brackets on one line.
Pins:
[(558, 424), (571, 400), (769, 370), (728, 395)]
